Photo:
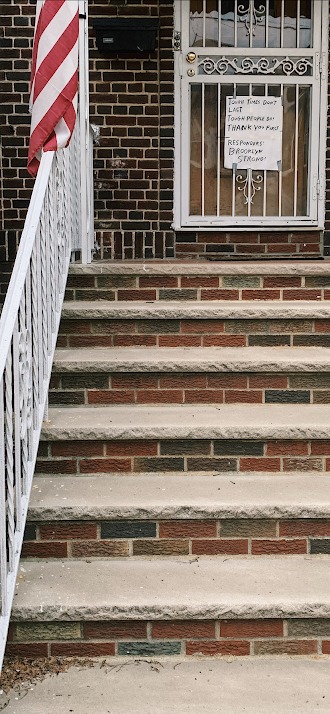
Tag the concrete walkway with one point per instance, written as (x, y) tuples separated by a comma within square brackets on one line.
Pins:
[(267, 686)]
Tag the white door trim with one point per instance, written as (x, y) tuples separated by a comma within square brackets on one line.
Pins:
[(183, 222)]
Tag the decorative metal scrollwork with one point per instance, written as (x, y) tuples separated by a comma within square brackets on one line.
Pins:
[(256, 65), (251, 16), (249, 184)]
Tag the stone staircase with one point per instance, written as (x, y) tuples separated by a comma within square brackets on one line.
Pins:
[(181, 503)]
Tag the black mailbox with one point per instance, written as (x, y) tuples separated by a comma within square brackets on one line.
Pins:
[(131, 35)]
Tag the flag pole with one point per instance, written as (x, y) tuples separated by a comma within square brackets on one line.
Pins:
[(86, 177)]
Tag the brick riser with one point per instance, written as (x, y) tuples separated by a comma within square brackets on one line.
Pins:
[(187, 637), (194, 333), (122, 538), (191, 388), (229, 287), (87, 457)]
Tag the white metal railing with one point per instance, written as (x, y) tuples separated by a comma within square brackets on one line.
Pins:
[(28, 331)]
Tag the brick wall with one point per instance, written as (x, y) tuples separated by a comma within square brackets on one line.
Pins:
[(132, 103)]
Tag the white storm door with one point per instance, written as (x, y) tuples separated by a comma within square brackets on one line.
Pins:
[(252, 48)]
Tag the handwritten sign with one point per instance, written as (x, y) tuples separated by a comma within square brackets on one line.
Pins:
[(253, 133)]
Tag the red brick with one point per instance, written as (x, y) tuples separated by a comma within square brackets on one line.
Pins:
[(56, 467), (104, 465), (220, 547), (184, 381), (129, 629), (320, 447), (305, 527), (302, 294), (227, 381), (202, 326), (267, 381), (281, 248), (134, 341), (67, 531), (251, 628), (225, 294), (131, 448), (29, 649), (134, 381), (237, 396), (91, 341), (259, 464), (224, 341), (280, 281), (204, 396), (159, 396), (136, 294), (183, 629), (246, 249), (278, 448), (290, 647), (77, 448), (322, 326), (189, 529), (325, 647), (239, 648), (179, 341), (261, 294), (279, 547), (38, 549), (82, 649), (157, 281), (200, 282), (110, 396)]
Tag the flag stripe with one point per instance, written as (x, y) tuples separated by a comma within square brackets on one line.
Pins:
[(54, 78)]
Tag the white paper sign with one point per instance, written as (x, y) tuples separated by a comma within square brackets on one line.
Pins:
[(253, 133)]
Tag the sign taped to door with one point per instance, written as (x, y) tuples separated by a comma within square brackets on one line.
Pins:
[(253, 133)]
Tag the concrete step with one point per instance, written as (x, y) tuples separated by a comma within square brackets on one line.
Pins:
[(191, 375), (256, 421), (264, 685), (195, 280), (189, 359), (205, 323), (189, 606), (166, 496), (158, 515), (195, 310)]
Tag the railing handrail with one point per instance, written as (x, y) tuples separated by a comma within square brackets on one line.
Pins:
[(18, 276)]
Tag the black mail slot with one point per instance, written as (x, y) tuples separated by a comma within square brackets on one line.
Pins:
[(126, 34)]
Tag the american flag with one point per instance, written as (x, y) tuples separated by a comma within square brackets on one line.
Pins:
[(54, 78)]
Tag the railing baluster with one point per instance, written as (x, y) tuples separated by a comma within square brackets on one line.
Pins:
[(9, 446)]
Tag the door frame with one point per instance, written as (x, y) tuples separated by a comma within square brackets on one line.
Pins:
[(180, 125)]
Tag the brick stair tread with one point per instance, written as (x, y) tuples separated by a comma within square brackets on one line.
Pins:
[(196, 309), (181, 588), (189, 359), (226, 421), (200, 267), (166, 496)]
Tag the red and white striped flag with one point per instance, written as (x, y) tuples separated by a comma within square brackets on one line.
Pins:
[(54, 78)]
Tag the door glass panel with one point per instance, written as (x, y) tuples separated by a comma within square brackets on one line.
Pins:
[(210, 149), (288, 150), (227, 36), (196, 150), (196, 23), (303, 149), (290, 24), (226, 175), (305, 24)]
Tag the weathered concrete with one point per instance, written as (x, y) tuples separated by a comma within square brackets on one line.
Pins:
[(226, 421), (181, 588), (210, 686), (210, 359), (200, 267), (148, 496), (195, 309)]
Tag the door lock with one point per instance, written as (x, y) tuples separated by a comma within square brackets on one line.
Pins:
[(191, 72), (191, 57)]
